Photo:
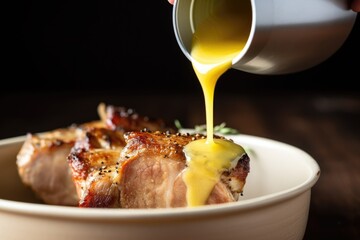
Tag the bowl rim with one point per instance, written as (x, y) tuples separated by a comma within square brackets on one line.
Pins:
[(127, 215)]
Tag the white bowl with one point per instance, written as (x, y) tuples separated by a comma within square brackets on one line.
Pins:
[(275, 205)]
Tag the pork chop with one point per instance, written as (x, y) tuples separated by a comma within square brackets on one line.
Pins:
[(143, 169)]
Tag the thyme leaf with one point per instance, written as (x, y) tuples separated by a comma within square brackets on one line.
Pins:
[(178, 124)]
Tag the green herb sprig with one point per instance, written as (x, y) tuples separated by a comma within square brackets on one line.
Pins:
[(220, 129)]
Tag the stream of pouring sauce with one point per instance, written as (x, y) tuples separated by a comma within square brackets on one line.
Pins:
[(216, 41)]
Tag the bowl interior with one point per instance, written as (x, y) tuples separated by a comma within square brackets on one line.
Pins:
[(276, 168)]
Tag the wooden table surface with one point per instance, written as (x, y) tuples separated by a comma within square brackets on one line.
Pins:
[(327, 126)]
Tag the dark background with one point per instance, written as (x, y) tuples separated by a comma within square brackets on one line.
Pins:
[(61, 58), (130, 46)]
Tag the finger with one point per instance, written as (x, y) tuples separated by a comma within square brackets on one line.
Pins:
[(355, 6)]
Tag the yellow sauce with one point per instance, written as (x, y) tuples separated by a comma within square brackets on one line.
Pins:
[(216, 41)]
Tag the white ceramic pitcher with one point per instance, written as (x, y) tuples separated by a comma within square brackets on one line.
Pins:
[(286, 36)]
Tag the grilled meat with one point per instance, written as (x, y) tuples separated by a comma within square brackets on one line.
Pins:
[(112, 164), (151, 171), (145, 172), (42, 166), (42, 160)]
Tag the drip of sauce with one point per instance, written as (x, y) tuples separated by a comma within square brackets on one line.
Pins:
[(217, 40)]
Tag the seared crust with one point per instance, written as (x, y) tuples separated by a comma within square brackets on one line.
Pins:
[(93, 163), (157, 143), (127, 119), (236, 178)]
